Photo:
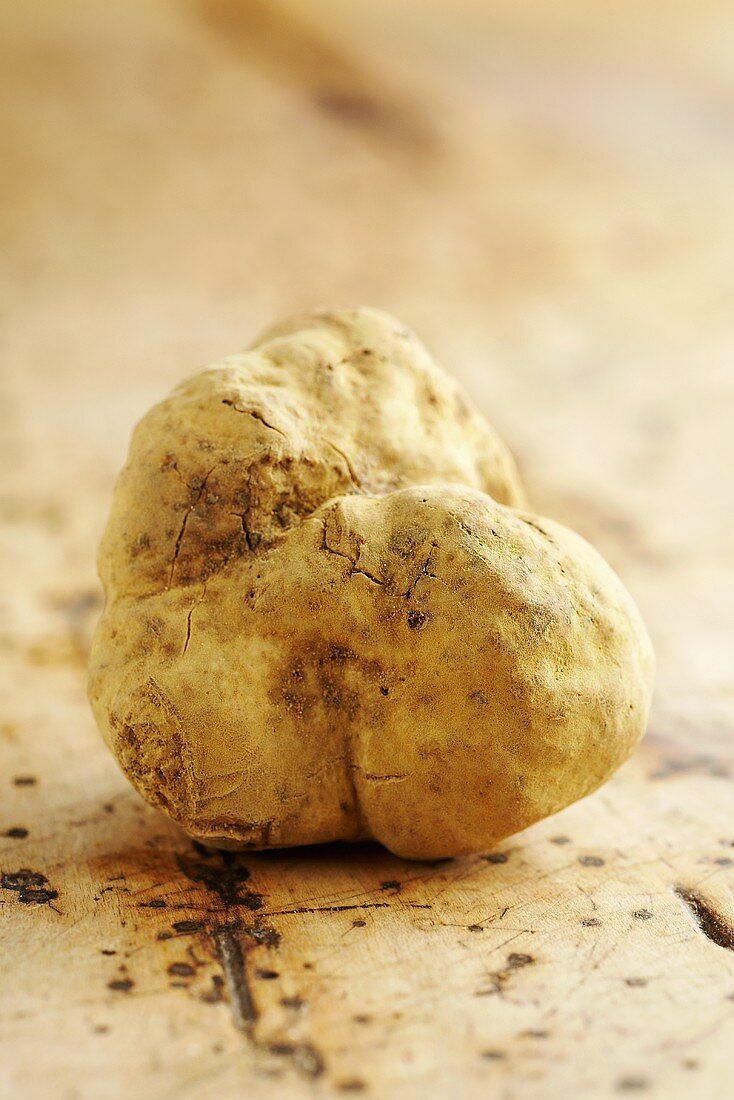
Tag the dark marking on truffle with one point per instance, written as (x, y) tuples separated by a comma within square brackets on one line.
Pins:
[(417, 619)]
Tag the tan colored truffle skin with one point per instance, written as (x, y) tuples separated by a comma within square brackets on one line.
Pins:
[(423, 666), (324, 405)]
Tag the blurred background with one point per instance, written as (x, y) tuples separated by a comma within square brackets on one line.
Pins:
[(545, 193)]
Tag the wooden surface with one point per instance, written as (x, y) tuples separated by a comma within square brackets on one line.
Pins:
[(546, 194)]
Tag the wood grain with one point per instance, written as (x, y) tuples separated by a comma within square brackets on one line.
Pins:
[(546, 196)]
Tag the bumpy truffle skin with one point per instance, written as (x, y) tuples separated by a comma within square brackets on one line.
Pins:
[(328, 617)]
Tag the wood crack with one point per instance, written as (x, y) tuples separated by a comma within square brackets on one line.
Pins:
[(232, 959), (327, 909)]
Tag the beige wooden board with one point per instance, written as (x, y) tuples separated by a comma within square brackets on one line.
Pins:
[(546, 194)]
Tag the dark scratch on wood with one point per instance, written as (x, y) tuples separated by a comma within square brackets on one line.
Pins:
[(713, 925), (328, 909), (498, 979), (304, 1056), (232, 959)]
